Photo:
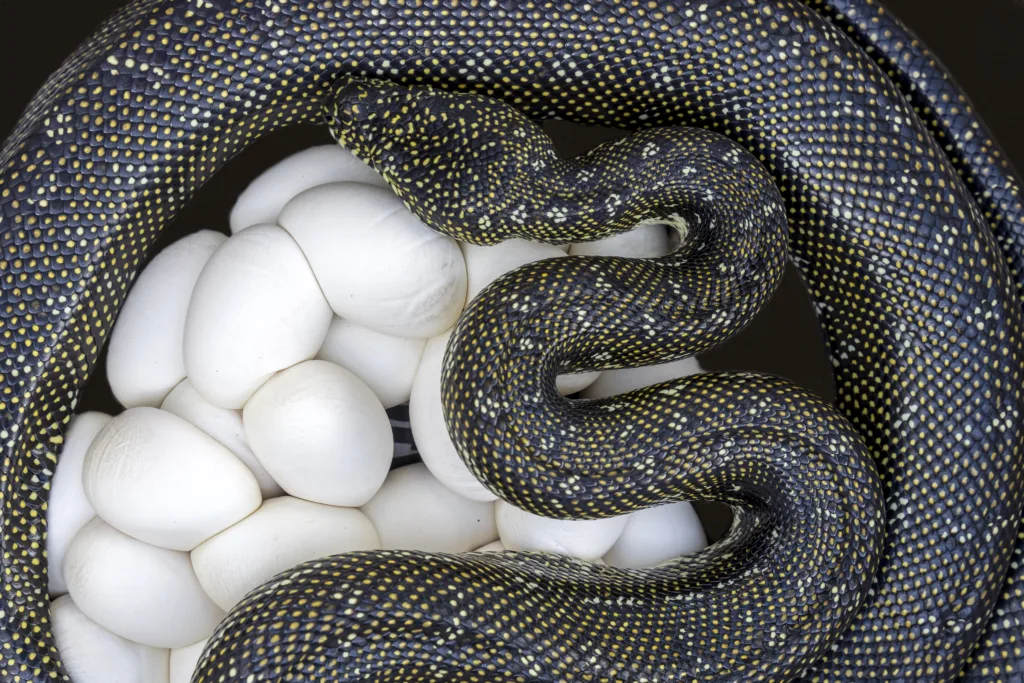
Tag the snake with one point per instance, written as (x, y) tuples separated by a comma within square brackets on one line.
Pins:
[(874, 539)]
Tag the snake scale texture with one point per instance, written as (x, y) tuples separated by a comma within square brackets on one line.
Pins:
[(872, 541)]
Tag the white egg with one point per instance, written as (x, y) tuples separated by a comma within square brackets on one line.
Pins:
[(283, 533), (256, 309), (426, 420), (655, 535), (613, 382), (263, 199), (159, 479), (387, 364), (224, 425), (92, 654), (69, 509), (492, 547), (144, 354), (321, 433), (183, 661), (484, 265), (414, 511), (587, 539), (140, 592), (650, 240), (572, 383), (379, 266)]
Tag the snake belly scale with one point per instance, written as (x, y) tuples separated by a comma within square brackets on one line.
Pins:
[(907, 266)]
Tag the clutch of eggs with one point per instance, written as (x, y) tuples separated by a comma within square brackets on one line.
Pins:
[(265, 377)]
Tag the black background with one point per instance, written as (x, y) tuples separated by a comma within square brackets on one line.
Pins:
[(981, 42)]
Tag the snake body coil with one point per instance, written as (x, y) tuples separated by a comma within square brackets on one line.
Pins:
[(907, 265)]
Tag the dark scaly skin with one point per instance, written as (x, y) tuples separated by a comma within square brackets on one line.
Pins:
[(995, 185), (911, 381)]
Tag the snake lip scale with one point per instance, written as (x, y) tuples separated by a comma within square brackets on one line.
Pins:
[(901, 213)]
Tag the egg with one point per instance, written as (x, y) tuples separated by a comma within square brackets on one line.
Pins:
[(649, 240), (387, 364), (158, 478), (145, 594), (378, 265), (414, 511), (657, 534), (144, 355), (492, 547), (183, 661), (575, 382), (256, 309), (283, 533), (68, 508), (587, 539), (430, 432), (222, 424), (263, 199), (613, 382), (321, 433), (92, 654)]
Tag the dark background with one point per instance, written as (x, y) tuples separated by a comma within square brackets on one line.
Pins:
[(981, 43)]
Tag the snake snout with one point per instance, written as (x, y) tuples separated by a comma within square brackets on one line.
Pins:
[(370, 107), (347, 111)]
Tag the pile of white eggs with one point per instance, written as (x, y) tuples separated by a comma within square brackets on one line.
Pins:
[(255, 371)]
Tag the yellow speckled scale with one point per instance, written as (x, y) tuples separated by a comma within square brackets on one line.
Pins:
[(911, 255)]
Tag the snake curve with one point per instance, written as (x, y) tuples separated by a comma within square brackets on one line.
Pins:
[(906, 263)]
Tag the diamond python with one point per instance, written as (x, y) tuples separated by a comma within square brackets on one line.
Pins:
[(905, 224)]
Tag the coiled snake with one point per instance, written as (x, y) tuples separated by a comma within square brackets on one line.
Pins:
[(913, 269)]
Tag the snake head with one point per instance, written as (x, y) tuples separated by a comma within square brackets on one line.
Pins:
[(456, 158), (352, 113), (383, 122)]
